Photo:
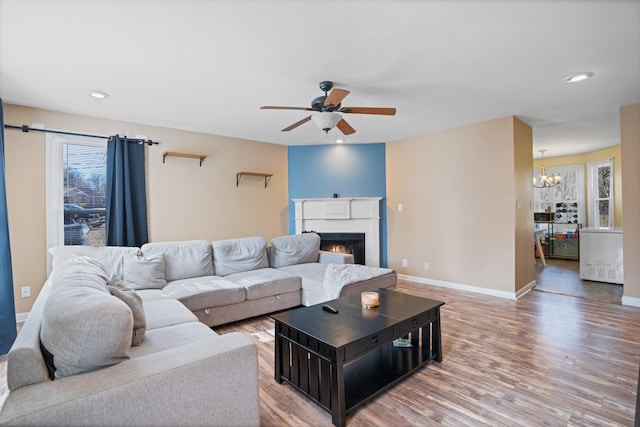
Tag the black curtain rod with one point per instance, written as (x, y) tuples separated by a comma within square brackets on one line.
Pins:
[(26, 129)]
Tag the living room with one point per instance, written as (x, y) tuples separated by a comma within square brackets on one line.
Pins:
[(464, 189)]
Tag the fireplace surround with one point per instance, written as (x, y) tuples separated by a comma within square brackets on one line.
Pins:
[(343, 215)]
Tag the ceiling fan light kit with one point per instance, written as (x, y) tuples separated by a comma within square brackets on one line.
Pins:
[(326, 120), (326, 109)]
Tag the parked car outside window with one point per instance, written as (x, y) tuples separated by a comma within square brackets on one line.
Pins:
[(84, 216), (75, 233)]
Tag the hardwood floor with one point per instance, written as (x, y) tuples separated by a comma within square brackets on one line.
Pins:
[(546, 359), (562, 276)]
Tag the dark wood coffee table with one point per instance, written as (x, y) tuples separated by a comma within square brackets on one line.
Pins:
[(342, 361)]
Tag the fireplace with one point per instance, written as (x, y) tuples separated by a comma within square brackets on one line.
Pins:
[(343, 215), (346, 243)]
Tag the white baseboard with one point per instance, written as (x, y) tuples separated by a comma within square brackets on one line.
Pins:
[(522, 292), (21, 317), (632, 301), (468, 288)]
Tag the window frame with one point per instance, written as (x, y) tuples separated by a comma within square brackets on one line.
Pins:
[(55, 186), (593, 192)]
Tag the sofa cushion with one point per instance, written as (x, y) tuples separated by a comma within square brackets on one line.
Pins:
[(140, 272), (173, 336), (238, 255), (205, 292), (152, 295), (84, 327), (111, 257), (266, 282), (182, 259), (295, 249), (133, 300), (163, 313)]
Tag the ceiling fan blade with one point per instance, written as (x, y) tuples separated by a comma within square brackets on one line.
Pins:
[(345, 127), (369, 110), (336, 96), (296, 124), (273, 107)]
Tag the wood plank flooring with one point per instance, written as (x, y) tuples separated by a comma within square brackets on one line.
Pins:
[(562, 276), (545, 359)]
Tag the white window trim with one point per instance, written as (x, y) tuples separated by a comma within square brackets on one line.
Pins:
[(594, 211), (54, 186)]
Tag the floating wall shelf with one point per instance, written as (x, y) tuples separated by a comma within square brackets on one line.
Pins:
[(187, 155), (267, 177)]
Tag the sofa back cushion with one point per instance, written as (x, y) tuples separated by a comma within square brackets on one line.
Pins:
[(83, 326), (294, 249), (111, 257), (239, 255), (182, 259)]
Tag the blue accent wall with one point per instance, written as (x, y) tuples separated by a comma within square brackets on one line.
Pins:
[(351, 170)]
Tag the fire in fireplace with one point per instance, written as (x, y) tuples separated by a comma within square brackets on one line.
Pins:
[(346, 243)]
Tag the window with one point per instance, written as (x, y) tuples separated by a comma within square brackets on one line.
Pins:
[(76, 190), (601, 193)]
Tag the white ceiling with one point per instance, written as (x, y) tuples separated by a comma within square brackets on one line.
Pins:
[(209, 65)]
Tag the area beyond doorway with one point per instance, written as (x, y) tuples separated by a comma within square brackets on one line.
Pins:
[(562, 276)]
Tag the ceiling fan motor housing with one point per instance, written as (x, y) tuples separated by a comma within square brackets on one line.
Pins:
[(318, 104)]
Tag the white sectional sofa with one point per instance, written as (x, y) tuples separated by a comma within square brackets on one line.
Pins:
[(75, 363)]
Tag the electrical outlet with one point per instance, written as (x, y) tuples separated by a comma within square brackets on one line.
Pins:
[(400, 207), (25, 291), (405, 263), (426, 265)]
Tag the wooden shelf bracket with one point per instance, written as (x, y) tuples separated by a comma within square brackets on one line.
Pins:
[(267, 177), (187, 155)]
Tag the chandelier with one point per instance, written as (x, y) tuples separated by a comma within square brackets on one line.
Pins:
[(544, 180)]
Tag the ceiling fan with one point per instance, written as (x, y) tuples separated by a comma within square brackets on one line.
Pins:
[(327, 108)]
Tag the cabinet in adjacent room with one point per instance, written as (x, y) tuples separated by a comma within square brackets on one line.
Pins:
[(559, 240)]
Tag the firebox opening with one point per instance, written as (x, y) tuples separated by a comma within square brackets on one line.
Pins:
[(346, 243)]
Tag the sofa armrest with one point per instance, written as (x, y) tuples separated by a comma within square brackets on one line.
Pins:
[(327, 257), (213, 381)]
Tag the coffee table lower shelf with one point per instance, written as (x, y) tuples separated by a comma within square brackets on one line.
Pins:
[(380, 369)]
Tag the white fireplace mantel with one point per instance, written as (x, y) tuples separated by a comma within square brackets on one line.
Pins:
[(343, 215)]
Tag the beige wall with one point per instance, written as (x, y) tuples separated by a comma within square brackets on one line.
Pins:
[(584, 159), (523, 148), (185, 201), (630, 141), (459, 201)]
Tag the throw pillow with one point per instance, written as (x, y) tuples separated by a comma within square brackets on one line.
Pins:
[(144, 272), (83, 326), (295, 249), (132, 299)]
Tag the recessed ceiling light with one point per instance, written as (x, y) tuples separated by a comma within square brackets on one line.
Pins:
[(339, 141), (578, 77), (98, 95)]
